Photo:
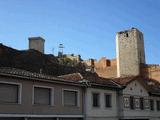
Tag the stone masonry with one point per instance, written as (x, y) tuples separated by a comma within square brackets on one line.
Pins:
[(130, 59), (130, 52)]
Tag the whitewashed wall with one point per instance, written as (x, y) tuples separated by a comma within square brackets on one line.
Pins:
[(101, 113), (137, 90), (155, 115)]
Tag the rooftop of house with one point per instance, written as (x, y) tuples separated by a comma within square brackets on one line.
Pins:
[(19, 73), (92, 78), (75, 78), (153, 86)]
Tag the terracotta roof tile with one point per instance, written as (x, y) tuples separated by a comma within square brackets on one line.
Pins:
[(153, 86), (124, 80), (23, 73), (72, 77), (92, 78)]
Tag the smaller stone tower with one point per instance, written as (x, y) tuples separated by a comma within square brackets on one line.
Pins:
[(130, 52), (36, 43)]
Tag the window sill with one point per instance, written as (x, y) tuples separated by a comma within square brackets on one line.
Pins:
[(10, 103), (108, 108), (70, 106), (43, 105), (98, 107)]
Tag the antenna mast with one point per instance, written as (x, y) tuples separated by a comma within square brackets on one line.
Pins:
[(60, 52)]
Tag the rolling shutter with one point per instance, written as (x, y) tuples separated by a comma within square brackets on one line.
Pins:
[(8, 93), (42, 95)]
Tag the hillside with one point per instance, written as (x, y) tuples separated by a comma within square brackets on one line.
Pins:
[(34, 61)]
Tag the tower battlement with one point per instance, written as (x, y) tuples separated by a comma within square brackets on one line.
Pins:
[(130, 52)]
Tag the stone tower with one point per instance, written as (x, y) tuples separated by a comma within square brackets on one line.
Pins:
[(130, 52), (36, 43)]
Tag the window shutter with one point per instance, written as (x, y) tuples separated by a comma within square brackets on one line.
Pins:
[(70, 98), (9, 93), (42, 95)]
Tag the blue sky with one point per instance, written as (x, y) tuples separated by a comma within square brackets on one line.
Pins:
[(85, 27)]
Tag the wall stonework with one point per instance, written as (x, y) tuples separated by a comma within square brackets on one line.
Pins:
[(108, 72), (102, 63), (148, 71), (130, 52), (130, 58), (114, 62), (151, 71)]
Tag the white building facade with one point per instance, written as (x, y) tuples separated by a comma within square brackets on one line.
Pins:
[(136, 103), (101, 104)]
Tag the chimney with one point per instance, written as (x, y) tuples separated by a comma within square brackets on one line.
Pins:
[(36, 43)]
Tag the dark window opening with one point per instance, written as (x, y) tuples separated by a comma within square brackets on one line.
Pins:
[(96, 101), (158, 105), (152, 104), (141, 103), (132, 102), (108, 101)]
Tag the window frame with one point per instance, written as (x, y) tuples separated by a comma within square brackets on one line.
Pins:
[(124, 102), (51, 94), (19, 97), (146, 106), (78, 97), (136, 99), (158, 106), (110, 100), (152, 104), (99, 99), (141, 103)]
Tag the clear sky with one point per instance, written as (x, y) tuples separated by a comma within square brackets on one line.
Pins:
[(85, 27)]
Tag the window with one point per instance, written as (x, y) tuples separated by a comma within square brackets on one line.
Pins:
[(132, 102), (146, 104), (137, 103), (151, 104), (108, 100), (42, 95), (126, 102), (10, 93), (96, 99), (70, 98), (158, 105), (141, 103)]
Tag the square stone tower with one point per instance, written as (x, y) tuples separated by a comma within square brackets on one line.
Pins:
[(36, 43), (130, 52)]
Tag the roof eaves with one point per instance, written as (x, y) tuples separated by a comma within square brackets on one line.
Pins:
[(41, 79)]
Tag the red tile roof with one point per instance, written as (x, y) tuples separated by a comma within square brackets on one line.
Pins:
[(92, 78), (14, 72), (153, 86), (72, 77), (124, 80)]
